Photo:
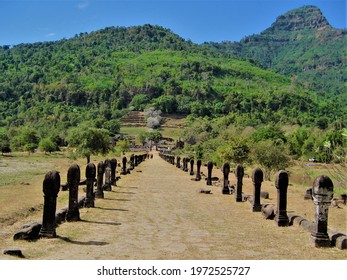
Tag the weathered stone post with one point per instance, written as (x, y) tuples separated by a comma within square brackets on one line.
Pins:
[(136, 160), (107, 186), (124, 167), (226, 171), (113, 163), (132, 162), (90, 174), (257, 178), (198, 173), (322, 193), (281, 183), (185, 164), (191, 167), (100, 180), (51, 185), (178, 162), (239, 173), (209, 173), (73, 179)]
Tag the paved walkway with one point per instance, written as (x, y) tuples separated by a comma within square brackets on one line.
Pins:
[(157, 212)]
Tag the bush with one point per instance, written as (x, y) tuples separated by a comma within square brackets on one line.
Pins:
[(47, 145)]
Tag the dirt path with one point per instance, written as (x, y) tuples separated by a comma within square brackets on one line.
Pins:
[(157, 212)]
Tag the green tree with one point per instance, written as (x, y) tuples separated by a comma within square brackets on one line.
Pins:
[(4, 142), (269, 132), (123, 146), (142, 137), (47, 145), (25, 139), (113, 126), (236, 150), (199, 152), (166, 103), (270, 157), (297, 140), (155, 136), (140, 101), (89, 141)]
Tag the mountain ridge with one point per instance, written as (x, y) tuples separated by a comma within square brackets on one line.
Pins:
[(300, 44), (106, 71)]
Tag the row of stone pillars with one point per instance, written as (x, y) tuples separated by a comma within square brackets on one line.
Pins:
[(184, 165), (51, 187), (322, 194)]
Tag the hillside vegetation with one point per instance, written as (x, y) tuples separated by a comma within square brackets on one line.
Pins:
[(300, 44), (52, 92)]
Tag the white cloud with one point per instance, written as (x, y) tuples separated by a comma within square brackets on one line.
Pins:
[(50, 35), (83, 5)]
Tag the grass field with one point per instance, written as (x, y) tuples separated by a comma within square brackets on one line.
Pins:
[(168, 132), (303, 174)]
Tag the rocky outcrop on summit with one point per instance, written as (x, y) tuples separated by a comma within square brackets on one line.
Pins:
[(308, 17)]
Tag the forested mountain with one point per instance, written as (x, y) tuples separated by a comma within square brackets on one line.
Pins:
[(106, 71), (300, 44), (93, 79)]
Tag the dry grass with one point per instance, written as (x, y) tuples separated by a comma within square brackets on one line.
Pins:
[(159, 214), (303, 174)]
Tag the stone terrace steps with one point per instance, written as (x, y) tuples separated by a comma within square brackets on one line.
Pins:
[(134, 118)]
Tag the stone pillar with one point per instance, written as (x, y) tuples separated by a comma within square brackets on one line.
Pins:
[(113, 163), (132, 162), (198, 173), (257, 178), (107, 186), (226, 171), (124, 167), (90, 174), (51, 186), (185, 168), (322, 193), (281, 183), (73, 179), (191, 167), (100, 180), (239, 177), (209, 173), (178, 162)]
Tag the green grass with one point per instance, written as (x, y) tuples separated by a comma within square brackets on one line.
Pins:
[(132, 131), (22, 168), (174, 133), (169, 132), (19, 169)]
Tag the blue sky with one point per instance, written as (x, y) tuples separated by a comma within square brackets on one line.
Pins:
[(28, 21)]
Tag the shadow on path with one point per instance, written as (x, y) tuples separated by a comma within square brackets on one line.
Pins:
[(102, 223), (124, 192), (92, 242), (120, 187), (114, 209), (118, 199)]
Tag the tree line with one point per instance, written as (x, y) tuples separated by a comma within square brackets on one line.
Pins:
[(48, 90)]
